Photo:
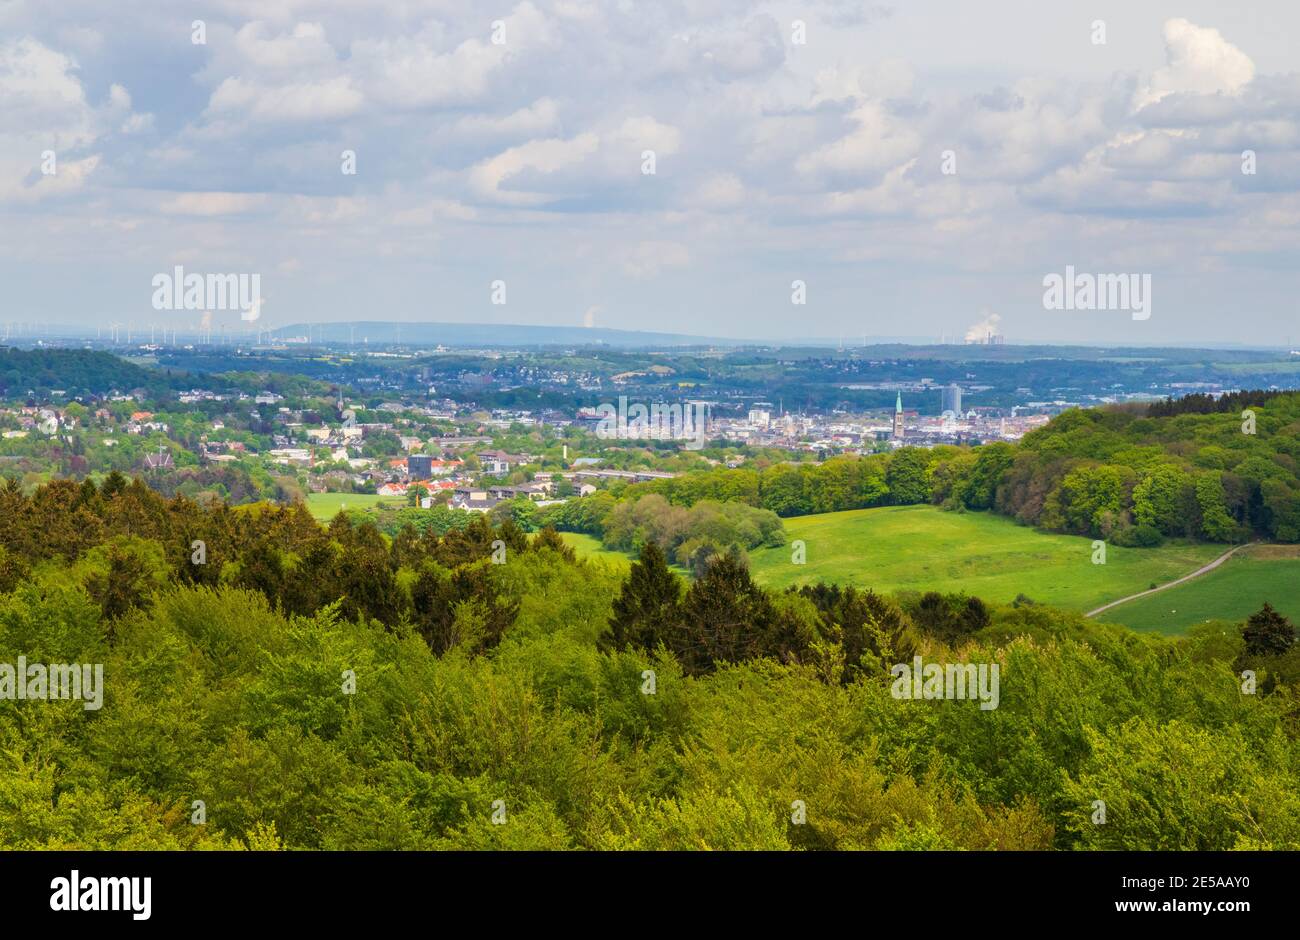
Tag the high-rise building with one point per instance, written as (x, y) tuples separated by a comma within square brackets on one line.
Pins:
[(952, 399), (898, 417), (419, 466)]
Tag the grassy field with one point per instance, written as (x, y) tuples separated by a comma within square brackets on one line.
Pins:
[(588, 546), (325, 506), (922, 548), (1232, 591)]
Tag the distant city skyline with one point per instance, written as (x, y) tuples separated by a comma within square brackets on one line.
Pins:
[(691, 167)]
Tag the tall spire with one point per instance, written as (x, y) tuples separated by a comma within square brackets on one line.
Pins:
[(898, 405)]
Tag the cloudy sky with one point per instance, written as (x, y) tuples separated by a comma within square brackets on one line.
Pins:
[(791, 141)]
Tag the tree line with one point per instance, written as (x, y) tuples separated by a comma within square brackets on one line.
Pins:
[(1116, 473)]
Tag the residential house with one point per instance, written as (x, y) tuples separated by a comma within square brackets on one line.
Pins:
[(473, 500), (499, 463)]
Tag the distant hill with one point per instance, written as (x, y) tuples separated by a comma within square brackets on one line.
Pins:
[(387, 332), (75, 371), (380, 332)]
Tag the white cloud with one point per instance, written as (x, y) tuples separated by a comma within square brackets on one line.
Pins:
[(540, 156), (877, 143), (720, 191), (539, 117), (328, 100), (40, 95), (407, 73), (44, 109), (305, 47), (212, 204), (888, 78), (1199, 60)]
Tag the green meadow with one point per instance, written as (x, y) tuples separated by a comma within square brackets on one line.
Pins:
[(589, 547), (923, 548), (326, 505), (1232, 591)]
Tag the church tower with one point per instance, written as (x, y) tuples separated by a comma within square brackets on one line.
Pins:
[(898, 418)]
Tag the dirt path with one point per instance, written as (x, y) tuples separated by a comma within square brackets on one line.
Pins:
[(1164, 587)]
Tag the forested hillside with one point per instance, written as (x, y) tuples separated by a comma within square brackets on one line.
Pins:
[(1117, 474), (73, 371), (271, 683)]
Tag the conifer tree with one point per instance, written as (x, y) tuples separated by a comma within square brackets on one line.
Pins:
[(646, 610), (726, 617), (1268, 633)]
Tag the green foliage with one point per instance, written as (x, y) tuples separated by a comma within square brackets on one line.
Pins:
[(1171, 786), (1268, 633), (1190, 470), (1085, 500), (679, 531), (76, 371), (647, 609), (906, 477), (949, 618), (1159, 499), (439, 700), (1138, 536)]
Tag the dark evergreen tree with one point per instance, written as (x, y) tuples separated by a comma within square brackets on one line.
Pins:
[(408, 548), (726, 617), (1268, 633), (463, 546), (369, 586), (262, 568), (864, 623), (461, 608), (123, 588), (646, 611)]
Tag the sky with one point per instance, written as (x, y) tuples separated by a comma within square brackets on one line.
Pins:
[(919, 168)]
